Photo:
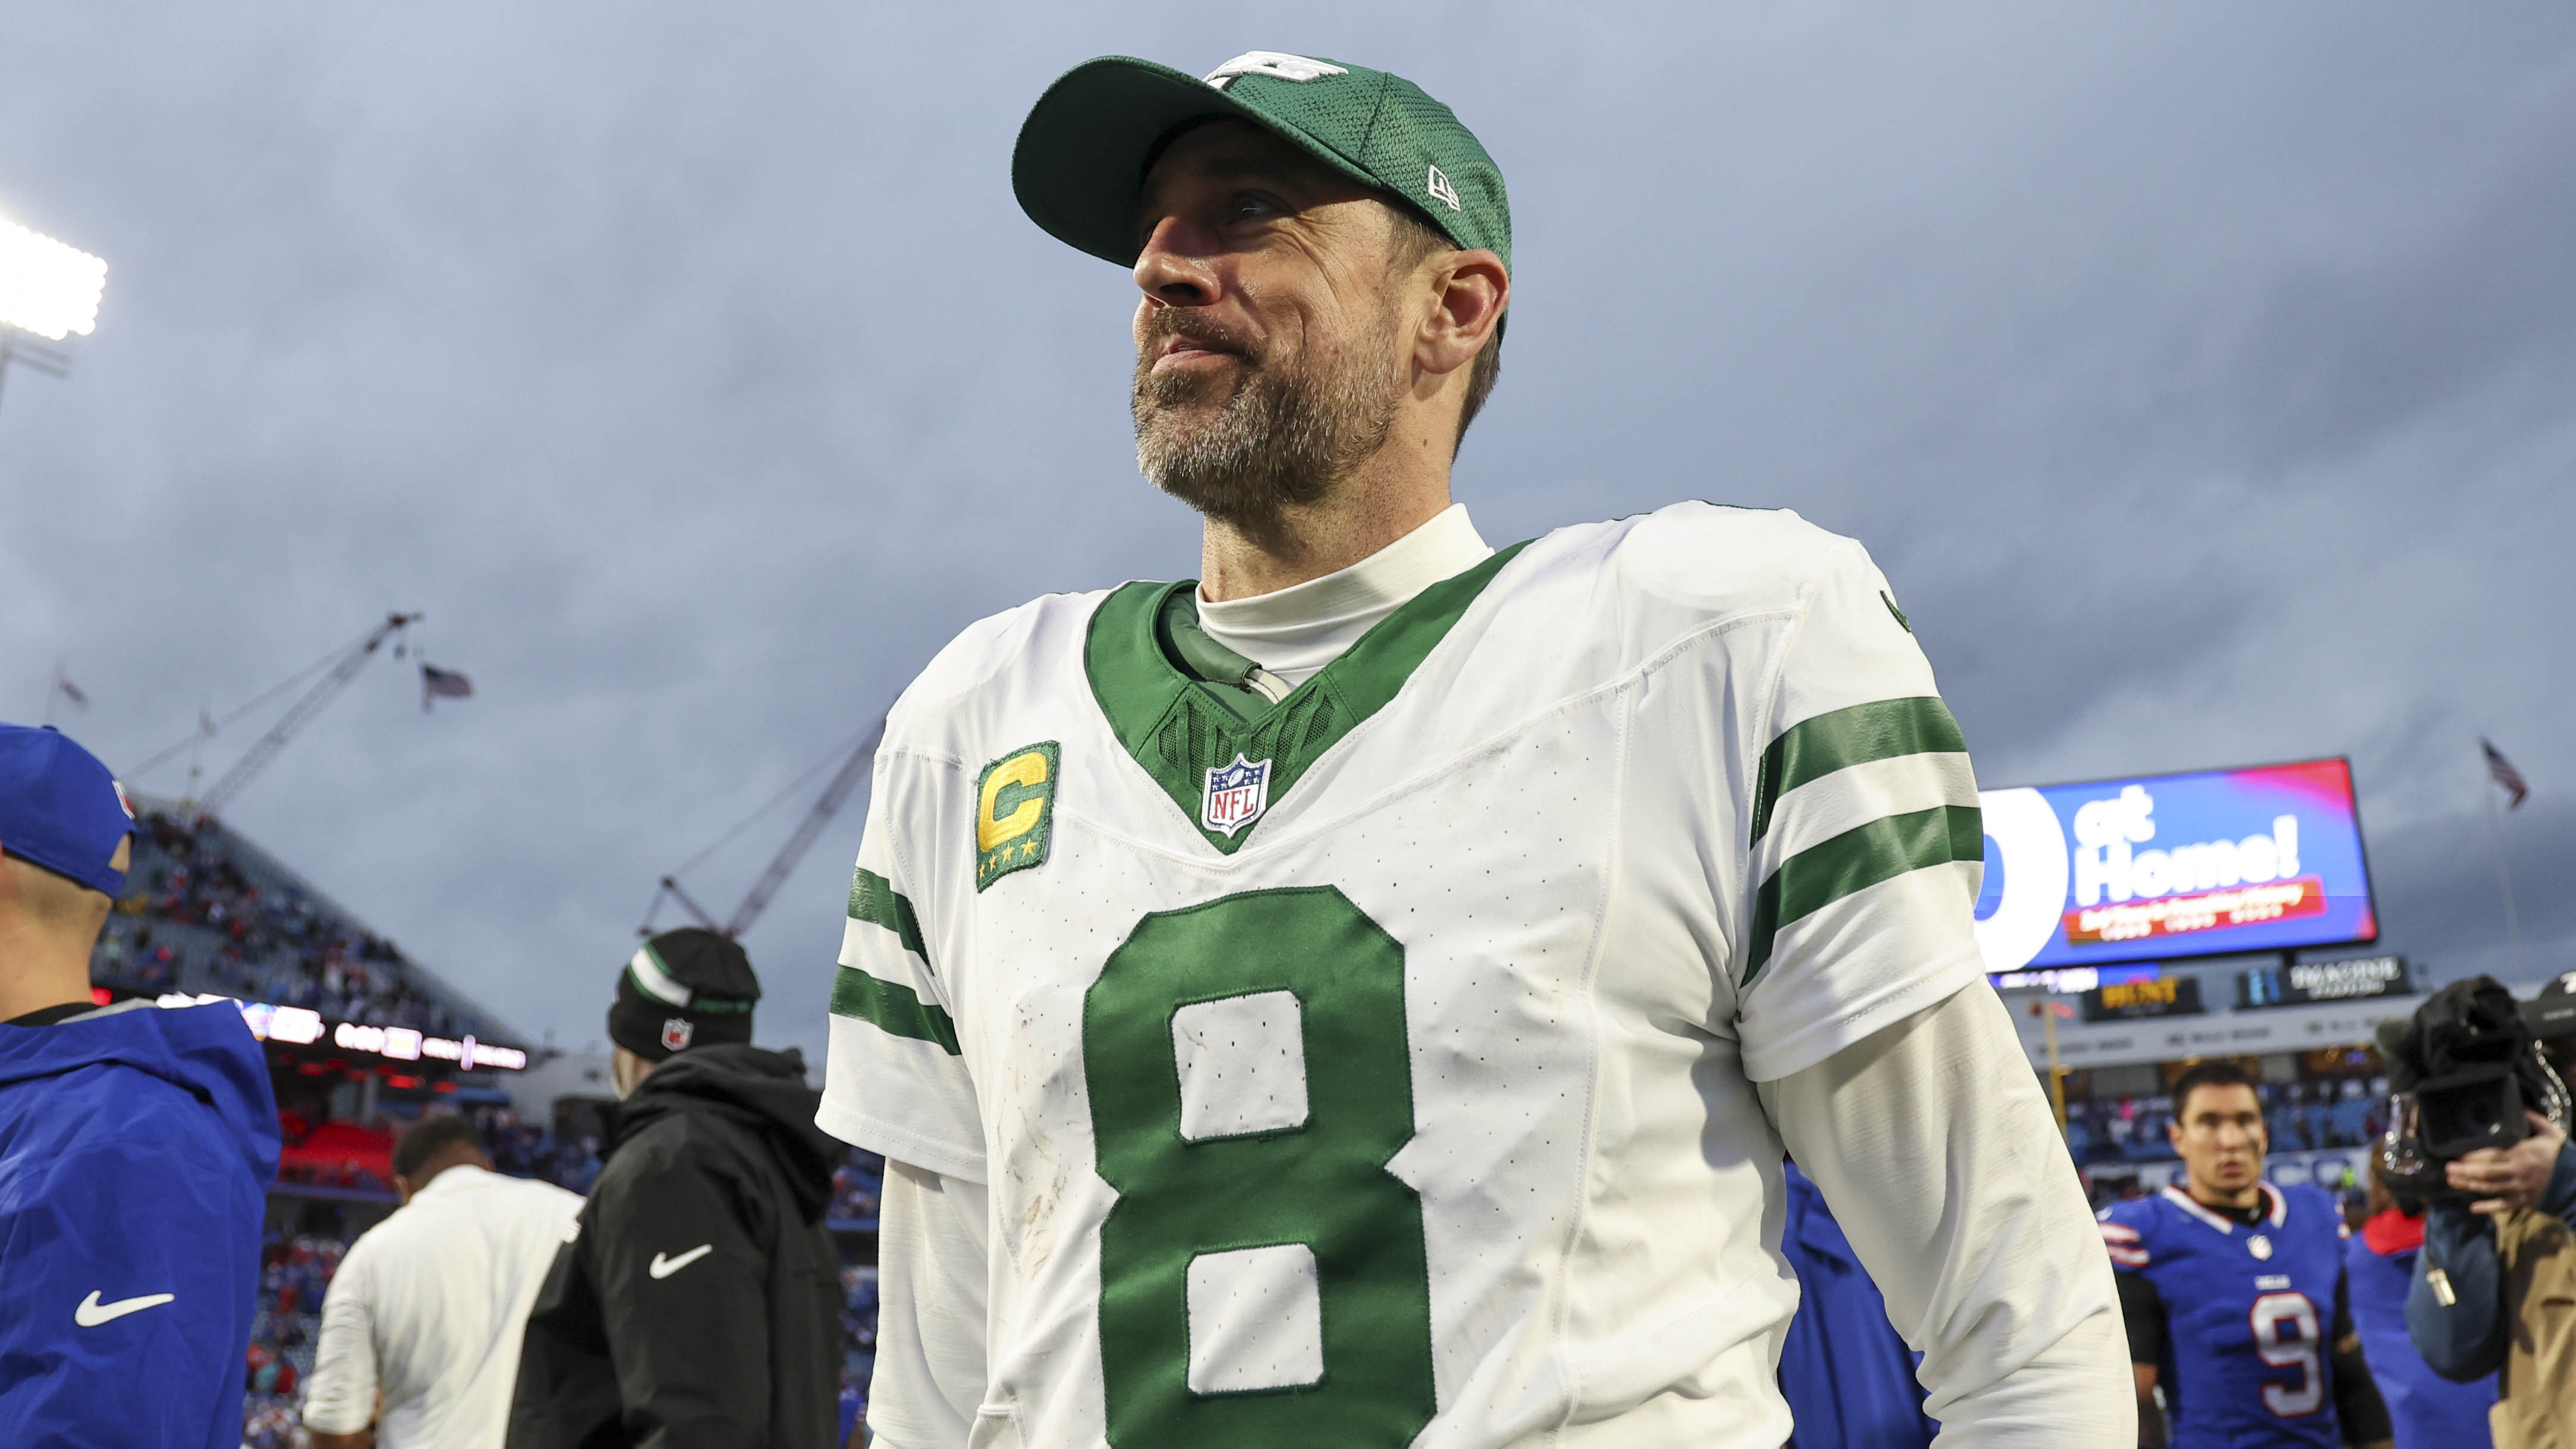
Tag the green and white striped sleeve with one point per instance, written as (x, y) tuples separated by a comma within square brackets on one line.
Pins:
[(1865, 850), (896, 1079)]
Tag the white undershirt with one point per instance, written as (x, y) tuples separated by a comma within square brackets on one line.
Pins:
[(1295, 631)]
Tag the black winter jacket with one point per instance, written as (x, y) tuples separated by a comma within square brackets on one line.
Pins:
[(700, 1306)]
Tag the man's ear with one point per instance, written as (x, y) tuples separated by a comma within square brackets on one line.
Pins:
[(1471, 290)]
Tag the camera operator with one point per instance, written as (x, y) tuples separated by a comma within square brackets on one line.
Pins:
[(2495, 1286)]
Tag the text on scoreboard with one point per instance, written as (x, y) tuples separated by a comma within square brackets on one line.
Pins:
[(2261, 859)]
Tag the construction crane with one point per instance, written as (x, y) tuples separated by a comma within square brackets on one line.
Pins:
[(854, 768), (333, 680)]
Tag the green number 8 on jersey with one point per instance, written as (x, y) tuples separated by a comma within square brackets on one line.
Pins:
[(1263, 1277)]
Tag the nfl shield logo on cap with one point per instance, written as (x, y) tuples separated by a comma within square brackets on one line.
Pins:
[(676, 1032), (1236, 795)]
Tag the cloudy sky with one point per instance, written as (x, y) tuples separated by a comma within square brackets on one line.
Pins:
[(2204, 376)]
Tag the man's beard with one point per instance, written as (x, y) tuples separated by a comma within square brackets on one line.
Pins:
[(1283, 436)]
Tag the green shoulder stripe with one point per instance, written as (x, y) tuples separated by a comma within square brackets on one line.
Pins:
[(895, 1010), (1854, 861), (1838, 739), (875, 900)]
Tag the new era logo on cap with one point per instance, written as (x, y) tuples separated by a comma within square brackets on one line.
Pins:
[(1441, 190), (1278, 65)]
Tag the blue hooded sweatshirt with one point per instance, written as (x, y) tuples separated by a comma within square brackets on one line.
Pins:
[(137, 1147)]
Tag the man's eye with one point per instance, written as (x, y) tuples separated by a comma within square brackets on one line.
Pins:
[(1249, 208)]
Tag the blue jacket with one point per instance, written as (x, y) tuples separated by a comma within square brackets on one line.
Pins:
[(1847, 1376), (2426, 1408), (136, 1151)]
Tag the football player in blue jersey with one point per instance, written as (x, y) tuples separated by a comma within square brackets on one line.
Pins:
[(2234, 1291)]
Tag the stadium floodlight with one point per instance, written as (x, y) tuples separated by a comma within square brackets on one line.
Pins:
[(47, 288)]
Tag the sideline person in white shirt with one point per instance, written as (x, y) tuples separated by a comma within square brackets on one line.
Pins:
[(429, 1305)]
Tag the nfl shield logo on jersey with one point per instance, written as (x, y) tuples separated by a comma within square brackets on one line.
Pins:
[(1236, 795)]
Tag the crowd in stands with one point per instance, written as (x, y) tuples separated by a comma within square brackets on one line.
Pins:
[(294, 1270), (195, 919), (2347, 1111), (858, 1341), (521, 1149), (856, 1186), (345, 1176)]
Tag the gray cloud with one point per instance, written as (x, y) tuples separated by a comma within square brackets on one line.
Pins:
[(2198, 374)]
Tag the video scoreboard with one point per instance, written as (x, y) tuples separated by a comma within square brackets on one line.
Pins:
[(2161, 866)]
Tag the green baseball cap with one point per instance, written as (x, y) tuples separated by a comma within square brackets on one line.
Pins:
[(1079, 167)]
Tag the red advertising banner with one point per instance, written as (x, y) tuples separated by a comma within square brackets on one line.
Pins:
[(2201, 911)]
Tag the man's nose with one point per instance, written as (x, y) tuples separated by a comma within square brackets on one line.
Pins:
[(1173, 267)]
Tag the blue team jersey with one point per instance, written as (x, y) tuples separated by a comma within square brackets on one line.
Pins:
[(2248, 1314)]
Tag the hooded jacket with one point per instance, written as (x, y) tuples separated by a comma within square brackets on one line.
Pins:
[(137, 1146), (699, 1307)]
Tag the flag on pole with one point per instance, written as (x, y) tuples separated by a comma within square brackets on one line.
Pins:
[(437, 683), (2506, 775)]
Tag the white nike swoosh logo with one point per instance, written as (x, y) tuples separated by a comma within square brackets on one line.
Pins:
[(91, 1313), (664, 1267)]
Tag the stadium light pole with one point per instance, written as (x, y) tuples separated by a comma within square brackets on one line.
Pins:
[(47, 290)]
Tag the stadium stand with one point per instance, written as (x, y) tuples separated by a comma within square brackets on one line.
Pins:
[(208, 912), (2334, 1098), (523, 1150), (294, 1271)]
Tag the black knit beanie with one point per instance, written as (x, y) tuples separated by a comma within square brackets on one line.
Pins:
[(682, 989)]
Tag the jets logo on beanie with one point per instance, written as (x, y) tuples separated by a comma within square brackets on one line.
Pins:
[(682, 989)]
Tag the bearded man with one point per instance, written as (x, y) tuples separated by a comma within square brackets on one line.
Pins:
[(1362, 996)]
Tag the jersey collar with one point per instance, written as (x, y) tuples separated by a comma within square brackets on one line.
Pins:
[(1172, 724), (2279, 1208), (450, 1181)]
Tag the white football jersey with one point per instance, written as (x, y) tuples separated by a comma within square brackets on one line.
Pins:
[(1377, 1069)]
